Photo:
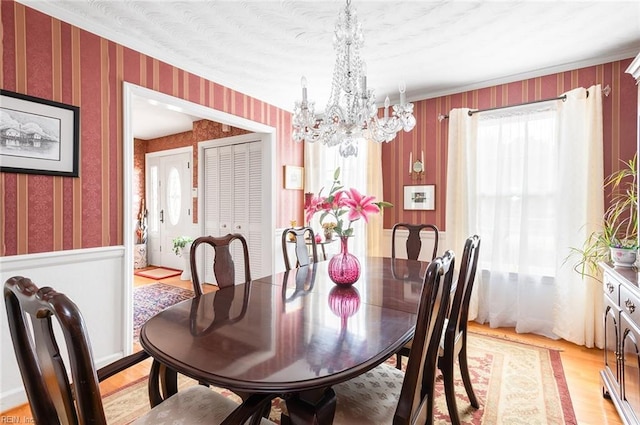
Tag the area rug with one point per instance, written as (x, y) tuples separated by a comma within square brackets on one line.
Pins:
[(149, 300), (158, 273), (515, 383)]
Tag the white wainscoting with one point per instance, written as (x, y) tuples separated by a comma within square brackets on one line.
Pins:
[(93, 279)]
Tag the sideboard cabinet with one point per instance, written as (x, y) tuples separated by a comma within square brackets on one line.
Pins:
[(621, 373)]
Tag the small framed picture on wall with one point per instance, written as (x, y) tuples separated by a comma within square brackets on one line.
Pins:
[(293, 177), (419, 197)]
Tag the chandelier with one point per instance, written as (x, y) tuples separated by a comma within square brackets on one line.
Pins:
[(351, 115)]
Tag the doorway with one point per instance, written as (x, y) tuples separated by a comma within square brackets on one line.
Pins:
[(267, 135)]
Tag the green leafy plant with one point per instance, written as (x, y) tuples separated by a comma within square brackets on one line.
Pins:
[(179, 243), (619, 223)]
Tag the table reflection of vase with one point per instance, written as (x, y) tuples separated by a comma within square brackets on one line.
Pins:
[(344, 302), (344, 267)]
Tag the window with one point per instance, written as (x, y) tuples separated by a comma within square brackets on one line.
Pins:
[(517, 190)]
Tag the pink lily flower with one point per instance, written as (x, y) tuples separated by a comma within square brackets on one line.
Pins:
[(360, 205), (315, 204)]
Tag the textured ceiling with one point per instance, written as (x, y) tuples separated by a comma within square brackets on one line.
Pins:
[(263, 47)]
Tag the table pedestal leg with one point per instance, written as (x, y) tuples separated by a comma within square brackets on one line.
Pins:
[(163, 383), (311, 408)]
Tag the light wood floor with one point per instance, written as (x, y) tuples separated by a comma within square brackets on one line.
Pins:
[(581, 367)]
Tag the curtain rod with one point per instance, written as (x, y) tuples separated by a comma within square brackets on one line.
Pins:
[(563, 98)]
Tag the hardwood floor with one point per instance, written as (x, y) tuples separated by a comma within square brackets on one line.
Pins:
[(581, 367)]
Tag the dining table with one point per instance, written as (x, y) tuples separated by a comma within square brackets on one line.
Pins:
[(293, 334)]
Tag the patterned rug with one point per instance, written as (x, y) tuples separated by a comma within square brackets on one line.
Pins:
[(149, 300), (515, 383)]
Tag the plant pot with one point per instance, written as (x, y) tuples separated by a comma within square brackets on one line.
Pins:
[(186, 271), (623, 257)]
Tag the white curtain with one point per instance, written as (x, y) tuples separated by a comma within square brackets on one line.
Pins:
[(578, 307), (320, 162), (528, 180)]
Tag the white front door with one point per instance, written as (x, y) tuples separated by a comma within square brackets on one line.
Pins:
[(168, 182)]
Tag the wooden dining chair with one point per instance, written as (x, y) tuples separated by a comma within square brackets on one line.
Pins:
[(414, 246), (223, 264), (304, 238), (453, 344), (414, 241), (385, 395), (62, 386)]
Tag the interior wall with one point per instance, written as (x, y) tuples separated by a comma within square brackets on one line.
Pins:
[(45, 57), (430, 135)]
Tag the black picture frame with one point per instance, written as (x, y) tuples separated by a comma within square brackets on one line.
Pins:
[(38, 136)]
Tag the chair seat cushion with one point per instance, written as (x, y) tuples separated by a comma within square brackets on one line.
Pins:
[(194, 405), (370, 398)]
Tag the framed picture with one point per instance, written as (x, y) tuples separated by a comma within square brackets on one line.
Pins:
[(419, 197), (293, 177), (38, 136)]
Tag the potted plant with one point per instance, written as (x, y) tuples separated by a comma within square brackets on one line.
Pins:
[(180, 246), (617, 241), (328, 228)]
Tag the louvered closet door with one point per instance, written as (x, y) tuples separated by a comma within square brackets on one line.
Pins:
[(233, 194)]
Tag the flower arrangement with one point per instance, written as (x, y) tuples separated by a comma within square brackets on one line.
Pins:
[(342, 203), (179, 243)]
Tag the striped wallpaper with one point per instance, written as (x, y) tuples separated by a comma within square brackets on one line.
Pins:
[(47, 58), (430, 135)]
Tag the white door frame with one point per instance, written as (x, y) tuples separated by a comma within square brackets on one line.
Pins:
[(268, 135)]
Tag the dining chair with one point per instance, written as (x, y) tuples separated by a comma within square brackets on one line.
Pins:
[(453, 344), (62, 385), (385, 395), (414, 241), (223, 264), (414, 246), (304, 238)]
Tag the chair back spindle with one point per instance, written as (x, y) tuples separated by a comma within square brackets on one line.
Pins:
[(223, 263), (414, 241), (304, 238)]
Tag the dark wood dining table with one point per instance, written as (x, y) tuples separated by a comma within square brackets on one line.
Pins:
[(293, 334)]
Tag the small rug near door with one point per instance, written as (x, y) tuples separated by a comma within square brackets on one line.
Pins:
[(149, 300), (515, 383), (158, 273)]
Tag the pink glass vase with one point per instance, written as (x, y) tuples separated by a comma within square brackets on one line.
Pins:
[(344, 268)]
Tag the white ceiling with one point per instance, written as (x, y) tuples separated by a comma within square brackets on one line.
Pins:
[(263, 47)]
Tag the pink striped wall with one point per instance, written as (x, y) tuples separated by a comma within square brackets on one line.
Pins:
[(47, 58), (430, 135)]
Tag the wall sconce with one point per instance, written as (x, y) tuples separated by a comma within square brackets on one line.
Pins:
[(416, 169)]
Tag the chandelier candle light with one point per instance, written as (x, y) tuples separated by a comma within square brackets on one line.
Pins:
[(351, 115)]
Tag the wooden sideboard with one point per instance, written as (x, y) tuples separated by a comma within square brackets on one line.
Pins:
[(621, 373)]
